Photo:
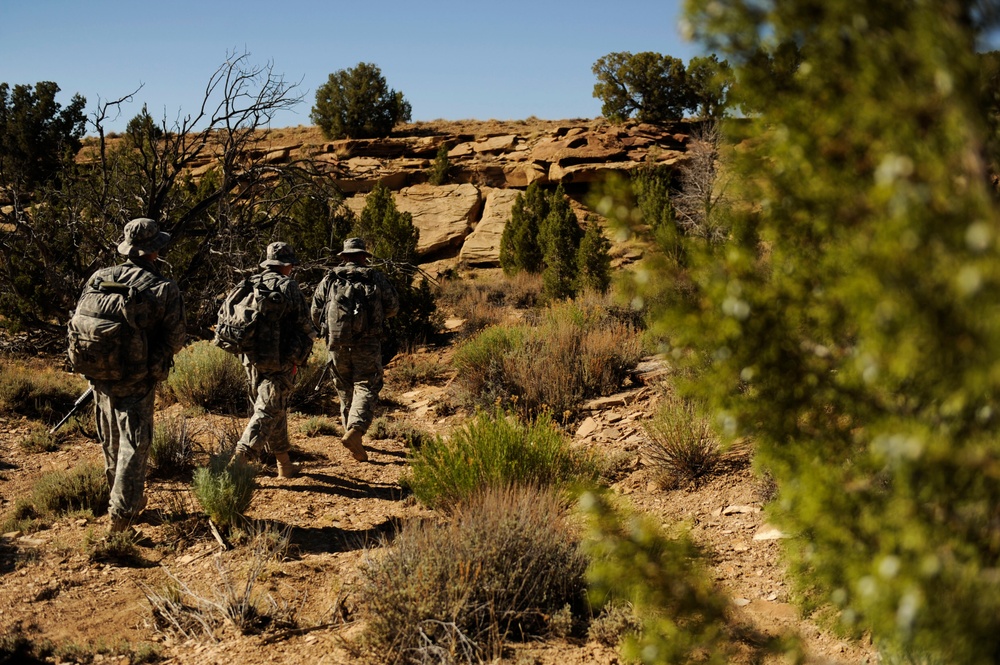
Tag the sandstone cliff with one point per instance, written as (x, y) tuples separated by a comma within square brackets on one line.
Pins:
[(490, 162)]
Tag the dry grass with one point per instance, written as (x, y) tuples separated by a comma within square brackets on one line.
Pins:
[(683, 447), (501, 569), (172, 451), (36, 390), (575, 350), (234, 600), (490, 299)]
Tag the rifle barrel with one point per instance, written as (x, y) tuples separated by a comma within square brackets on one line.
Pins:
[(80, 401)]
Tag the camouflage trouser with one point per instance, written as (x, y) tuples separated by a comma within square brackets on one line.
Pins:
[(268, 426), (125, 430), (357, 376)]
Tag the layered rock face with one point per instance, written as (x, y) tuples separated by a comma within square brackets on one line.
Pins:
[(464, 219)]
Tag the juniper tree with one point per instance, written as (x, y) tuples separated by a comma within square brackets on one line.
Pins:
[(850, 325), (650, 86), (357, 103), (593, 259), (392, 238), (519, 244), (439, 169), (559, 237)]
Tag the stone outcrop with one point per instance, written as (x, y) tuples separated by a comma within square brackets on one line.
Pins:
[(482, 246), (464, 220), (444, 215)]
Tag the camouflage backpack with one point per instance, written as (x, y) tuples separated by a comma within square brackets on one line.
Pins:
[(353, 305), (107, 339), (244, 314)]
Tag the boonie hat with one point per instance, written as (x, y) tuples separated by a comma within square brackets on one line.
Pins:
[(142, 236), (279, 254), (354, 246)]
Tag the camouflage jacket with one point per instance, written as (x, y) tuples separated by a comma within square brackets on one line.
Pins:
[(388, 298), (161, 317), (287, 339)]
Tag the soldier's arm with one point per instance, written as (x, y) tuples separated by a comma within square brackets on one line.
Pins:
[(303, 320), (303, 333), (318, 309), (390, 299), (173, 325), (169, 333)]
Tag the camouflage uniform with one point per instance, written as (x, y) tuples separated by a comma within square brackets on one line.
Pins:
[(123, 410), (281, 348), (357, 367)]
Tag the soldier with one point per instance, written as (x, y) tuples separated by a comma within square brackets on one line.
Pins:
[(349, 307), (127, 326), (283, 343)]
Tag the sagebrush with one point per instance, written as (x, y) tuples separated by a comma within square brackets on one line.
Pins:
[(501, 568), (205, 376), (224, 491), (496, 450)]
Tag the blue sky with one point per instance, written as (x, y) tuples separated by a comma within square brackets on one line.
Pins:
[(451, 59)]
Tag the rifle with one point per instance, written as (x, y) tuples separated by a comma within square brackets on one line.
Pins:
[(322, 376), (80, 401)]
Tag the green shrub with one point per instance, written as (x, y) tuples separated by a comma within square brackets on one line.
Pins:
[(23, 517), (651, 86), (36, 391), (682, 615), (439, 169), (319, 426), (682, 446), (848, 326), (520, 247), (84, 487), (224, 492), (479, 364), (594, 260), (357, 103), (206, 376), (559, 236), (39, 440), (616, 621), (494, 450), (544, 236), (500, 569), (120, 547), (171, 452), (578, 350)]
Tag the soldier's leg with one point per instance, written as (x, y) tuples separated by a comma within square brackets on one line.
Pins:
[(343, 380), (268, 409), (281, 386), (107, 433), (367, 361), (133, 416)]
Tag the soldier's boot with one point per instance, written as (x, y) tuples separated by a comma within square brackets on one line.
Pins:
[(285, 467), (352, 441), (239, 458), (119, 524)]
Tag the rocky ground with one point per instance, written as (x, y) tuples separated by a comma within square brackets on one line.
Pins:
[(339, 510)]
